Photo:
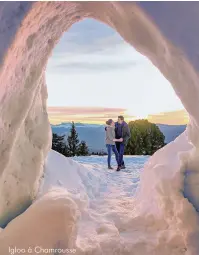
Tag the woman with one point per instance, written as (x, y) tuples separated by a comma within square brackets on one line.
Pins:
[(110, 141)]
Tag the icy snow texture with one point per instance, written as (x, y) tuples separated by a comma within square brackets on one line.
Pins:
[(165, 32)]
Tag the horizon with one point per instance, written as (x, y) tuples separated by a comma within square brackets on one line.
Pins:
[(62, 123), (94, 56), (59, 115)]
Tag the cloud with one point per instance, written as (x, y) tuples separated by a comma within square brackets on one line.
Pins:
[(100, 45), (83, 114), (87, 36), (83, 110), (98, 67), (90, 46), (100, 115), (171, 118)]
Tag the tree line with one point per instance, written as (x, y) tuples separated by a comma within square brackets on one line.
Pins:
[(146, 139), (72, 147)]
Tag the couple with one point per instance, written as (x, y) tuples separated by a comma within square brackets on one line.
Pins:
[(117, 136)]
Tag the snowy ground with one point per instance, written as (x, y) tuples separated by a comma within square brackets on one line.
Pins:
[(115, 184), (84, 206), (108, 222), (110, 219), (104, 197)]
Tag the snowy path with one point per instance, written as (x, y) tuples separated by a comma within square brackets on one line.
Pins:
[(109, 219), (113, 183), (104, 197), (106, 220)]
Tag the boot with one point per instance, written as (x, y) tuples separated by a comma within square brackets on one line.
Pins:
[(118, 168), (109, 167), (123, 167)]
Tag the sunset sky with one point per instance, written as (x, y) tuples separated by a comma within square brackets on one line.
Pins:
[(94, 75)]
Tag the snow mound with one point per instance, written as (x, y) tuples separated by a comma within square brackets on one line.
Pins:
[(70, 192), (64, 173), (153, 222), (49, 224)]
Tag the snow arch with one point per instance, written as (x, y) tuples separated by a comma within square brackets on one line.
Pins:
[(29, 31)]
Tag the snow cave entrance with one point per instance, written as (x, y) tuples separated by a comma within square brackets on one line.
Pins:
[(26, 128)]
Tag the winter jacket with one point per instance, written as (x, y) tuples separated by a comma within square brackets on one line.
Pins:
[(122, 131), (110, 135)]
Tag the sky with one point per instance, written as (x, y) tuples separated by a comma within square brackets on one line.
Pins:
[(93, 74)]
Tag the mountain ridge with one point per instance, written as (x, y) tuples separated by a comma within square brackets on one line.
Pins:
[(94, 134)]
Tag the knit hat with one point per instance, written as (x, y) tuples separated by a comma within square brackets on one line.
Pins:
[(108, 122)]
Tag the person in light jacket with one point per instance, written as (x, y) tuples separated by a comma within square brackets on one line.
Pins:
[(110, 142)]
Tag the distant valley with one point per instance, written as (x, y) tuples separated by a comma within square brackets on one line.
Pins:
[(94, 134)]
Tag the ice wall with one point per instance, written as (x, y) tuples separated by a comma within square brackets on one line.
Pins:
[(28, 33)]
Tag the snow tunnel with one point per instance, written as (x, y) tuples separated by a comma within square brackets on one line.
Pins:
[(167, 34)]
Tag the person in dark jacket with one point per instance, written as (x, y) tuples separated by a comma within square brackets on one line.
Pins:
[(122, 131)]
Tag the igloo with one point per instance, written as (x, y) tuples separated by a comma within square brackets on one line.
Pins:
[(166, 33)]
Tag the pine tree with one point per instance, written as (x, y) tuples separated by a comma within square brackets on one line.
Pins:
[(58, 143), (73, 142), (83, 149)]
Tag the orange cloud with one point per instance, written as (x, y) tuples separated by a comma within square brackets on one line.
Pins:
[(99, 115), (171, 118), (83, 114)]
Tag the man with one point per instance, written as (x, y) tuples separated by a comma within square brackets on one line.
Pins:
[(121, 131)]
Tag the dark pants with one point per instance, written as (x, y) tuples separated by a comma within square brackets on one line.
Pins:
[(111, 148), (120, 148)]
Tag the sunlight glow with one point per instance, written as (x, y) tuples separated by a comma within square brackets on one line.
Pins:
[(132, 116)]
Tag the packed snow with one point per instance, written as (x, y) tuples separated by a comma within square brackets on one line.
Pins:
[(92, 178), (84, 208), (108, 202)]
